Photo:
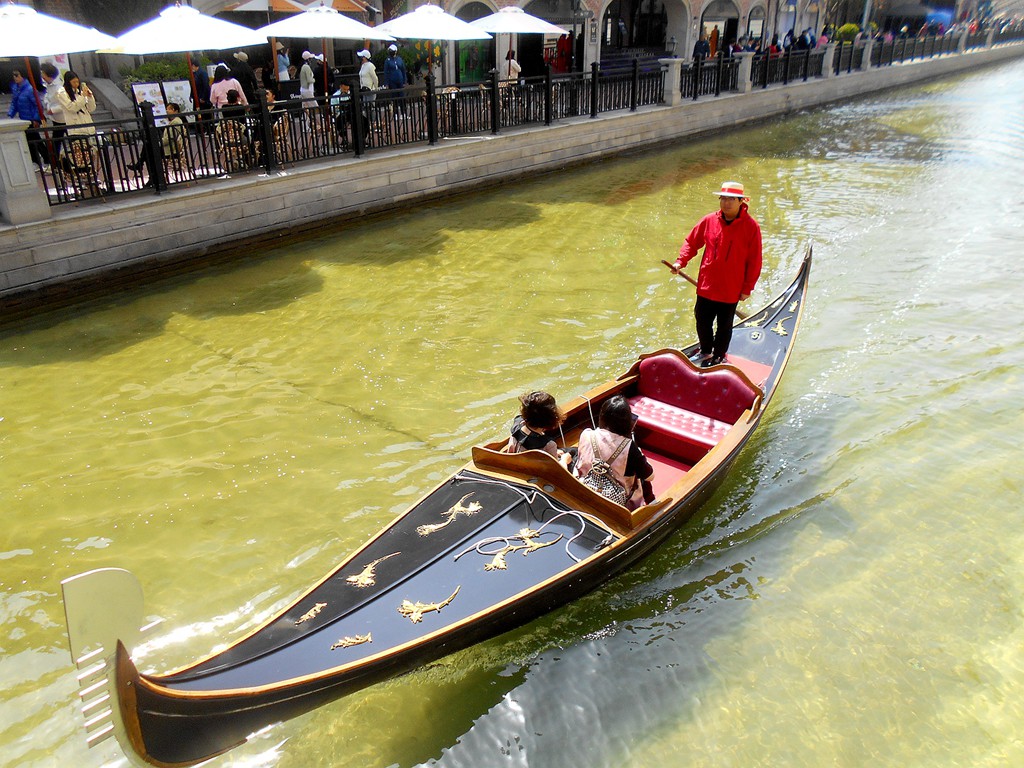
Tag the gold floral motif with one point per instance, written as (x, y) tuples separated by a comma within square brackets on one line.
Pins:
[(414, 611), (458, 508), (792, 307), (365, 578), (779, 328), (311, 613), (348, 642), (751, 322)]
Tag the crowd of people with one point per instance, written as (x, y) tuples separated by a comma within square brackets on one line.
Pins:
[(709, 44)]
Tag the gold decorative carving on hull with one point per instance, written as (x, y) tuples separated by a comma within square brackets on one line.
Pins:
[(311, 613), (365, 578), (779, 328), (458, 508), (414, 611), (348, 642), (751, 322), (792, 307), (526, 541)]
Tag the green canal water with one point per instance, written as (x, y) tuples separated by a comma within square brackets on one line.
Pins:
[(852, 595)]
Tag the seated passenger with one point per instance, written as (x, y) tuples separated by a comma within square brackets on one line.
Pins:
[(610, 462), (538, 415)]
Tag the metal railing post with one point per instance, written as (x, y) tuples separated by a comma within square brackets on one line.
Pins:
[(595, 71), (358, 134), (698, 65), (719, 73), (634, 85), (267, 133), (495, 104), (431, 109), (547, 94), (151, 146)]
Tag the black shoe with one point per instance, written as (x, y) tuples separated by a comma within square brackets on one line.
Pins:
[(712, 361)]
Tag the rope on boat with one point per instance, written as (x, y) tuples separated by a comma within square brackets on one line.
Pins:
[(478, 547), (529, 498)]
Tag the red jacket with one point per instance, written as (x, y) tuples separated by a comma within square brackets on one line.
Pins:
[(732, 256)]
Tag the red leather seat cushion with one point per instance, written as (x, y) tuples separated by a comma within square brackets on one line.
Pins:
[(686, 411), (718, 394)]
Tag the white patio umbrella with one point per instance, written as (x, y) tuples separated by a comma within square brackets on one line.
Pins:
[(26, 32), (515, 21), (182, 28), (325, 23), (429, 22)]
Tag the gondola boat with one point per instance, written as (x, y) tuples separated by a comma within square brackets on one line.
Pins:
[(502, 541)]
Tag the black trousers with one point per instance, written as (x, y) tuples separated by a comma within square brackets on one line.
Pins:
[(714, 325)]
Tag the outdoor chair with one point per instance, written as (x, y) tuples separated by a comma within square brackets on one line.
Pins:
[(177, 165), (234, 150), (81, 166)]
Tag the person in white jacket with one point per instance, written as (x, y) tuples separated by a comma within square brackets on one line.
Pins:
[(306, 80), (368, 82), (77, 103)]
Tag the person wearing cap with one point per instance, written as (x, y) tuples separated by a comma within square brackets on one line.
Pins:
[(283, 62), (368, 82), (306, 79), (394, 69), (729, 269), (245, 76)]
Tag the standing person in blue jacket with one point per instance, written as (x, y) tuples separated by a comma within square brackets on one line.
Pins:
[(24, 106), (394, 69), (395, 78)]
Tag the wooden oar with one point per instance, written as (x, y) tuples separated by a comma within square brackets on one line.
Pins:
[(740, 315)]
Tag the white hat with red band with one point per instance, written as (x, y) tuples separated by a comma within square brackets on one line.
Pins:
[(731, 189)]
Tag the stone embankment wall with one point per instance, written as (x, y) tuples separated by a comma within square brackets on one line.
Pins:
[(92, 246)]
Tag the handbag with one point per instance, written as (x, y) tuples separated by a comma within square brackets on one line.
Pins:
[(599, 477)]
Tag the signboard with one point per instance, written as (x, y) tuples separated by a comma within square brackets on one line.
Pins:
[(160, 94)]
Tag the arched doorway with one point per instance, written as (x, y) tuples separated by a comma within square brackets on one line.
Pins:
[(565, 53), (473, 58), (634, 24), (756, 26), (721, 22)]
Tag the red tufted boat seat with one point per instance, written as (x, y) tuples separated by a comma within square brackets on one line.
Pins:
[(684, 411)]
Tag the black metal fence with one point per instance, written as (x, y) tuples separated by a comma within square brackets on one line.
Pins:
[(709, 77), (772, 69), (115, 157), (899, 50)]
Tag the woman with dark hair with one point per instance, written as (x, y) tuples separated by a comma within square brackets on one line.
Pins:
[(78, 104), (513, 66), (532, 429), (222, 83), (610, 462)]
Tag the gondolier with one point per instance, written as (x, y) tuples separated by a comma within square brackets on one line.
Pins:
[(729, 269)]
